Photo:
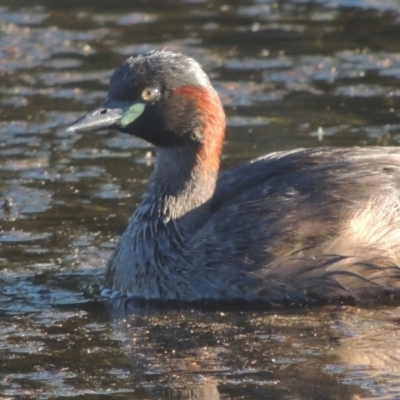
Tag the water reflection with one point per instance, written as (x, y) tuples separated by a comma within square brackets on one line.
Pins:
[(202, 353), (290, 74)]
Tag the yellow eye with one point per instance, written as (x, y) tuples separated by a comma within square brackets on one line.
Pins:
[(150, 94)]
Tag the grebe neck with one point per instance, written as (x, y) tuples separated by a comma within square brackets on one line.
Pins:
[(180, 188), (184, 178)]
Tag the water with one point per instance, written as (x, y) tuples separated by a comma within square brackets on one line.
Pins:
[(291, 74)]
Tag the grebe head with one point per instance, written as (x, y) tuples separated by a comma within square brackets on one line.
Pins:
[(162, 97)]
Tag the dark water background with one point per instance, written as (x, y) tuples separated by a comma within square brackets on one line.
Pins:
[(290, 73)]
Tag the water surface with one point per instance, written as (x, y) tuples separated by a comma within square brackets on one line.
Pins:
[(290, 74)]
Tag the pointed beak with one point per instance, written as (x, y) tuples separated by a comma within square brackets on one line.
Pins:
[(105, 117)]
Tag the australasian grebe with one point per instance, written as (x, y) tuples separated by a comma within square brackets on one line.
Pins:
[(301, 225)]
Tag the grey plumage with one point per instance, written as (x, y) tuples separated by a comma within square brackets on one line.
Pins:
[(302, 225)]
